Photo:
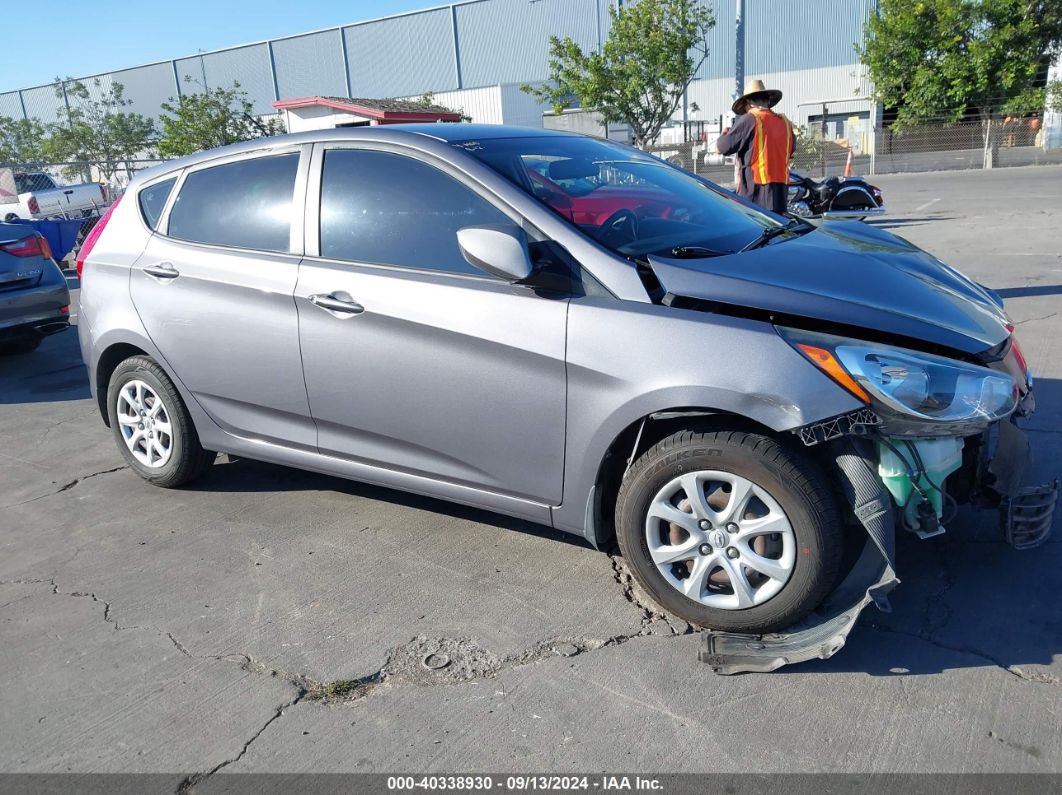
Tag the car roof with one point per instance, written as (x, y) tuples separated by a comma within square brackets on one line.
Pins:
[(445, 132), (482, 132)]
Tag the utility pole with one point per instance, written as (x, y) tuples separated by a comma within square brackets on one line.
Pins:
[(739, 48), (739, 70)]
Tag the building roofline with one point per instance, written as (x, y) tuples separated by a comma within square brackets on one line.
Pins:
[(229, 48), (364, 110)]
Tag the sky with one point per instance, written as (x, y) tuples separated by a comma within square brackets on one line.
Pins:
[(80, 39)]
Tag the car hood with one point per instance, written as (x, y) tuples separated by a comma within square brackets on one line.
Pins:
[(848, 273)]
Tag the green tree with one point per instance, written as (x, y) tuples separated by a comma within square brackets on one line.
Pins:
[(653, 51), (22, 141), (1054, 96), (1034, 100), (427, 101), (213, 117), (942, 59), (95, 126)]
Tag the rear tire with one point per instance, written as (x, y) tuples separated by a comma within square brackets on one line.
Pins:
[(152, 426), (748, 578)]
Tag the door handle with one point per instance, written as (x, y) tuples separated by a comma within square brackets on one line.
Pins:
[(164, 270), (337, 302)]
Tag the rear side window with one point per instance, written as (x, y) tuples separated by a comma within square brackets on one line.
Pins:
[(389, 209), (246, 204), (153, 199), (33, 183)]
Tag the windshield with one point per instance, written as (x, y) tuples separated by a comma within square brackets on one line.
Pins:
[(628, 201)]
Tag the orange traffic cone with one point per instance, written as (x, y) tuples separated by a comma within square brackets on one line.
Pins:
[(848, 163)]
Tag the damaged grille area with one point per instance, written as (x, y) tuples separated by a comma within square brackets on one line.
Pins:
[(854, 423), (1027, 517)]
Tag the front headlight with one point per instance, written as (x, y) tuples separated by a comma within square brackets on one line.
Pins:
[(914, 393)]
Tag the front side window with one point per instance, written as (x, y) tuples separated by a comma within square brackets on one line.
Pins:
[(153, 199), (389, 209), (245, 204), (625, 199)]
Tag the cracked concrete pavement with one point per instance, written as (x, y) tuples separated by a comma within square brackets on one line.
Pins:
[(275, 620)]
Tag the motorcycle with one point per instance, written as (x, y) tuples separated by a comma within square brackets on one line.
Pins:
[(834, 197)]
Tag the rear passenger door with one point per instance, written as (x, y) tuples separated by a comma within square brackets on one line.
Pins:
[(214, 289)]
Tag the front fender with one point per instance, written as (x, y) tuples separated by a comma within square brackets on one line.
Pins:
[(628, 360)]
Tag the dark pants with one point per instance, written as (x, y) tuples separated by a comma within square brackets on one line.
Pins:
[(772, 196)]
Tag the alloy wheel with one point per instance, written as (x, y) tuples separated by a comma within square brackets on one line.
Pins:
[(720, 539), (145, 424)]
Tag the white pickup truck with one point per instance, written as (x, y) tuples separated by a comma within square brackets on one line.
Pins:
[(40, 197)]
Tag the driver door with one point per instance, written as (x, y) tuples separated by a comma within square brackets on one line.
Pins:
[(432, 367)]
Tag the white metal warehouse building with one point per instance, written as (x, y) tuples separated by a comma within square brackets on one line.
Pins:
[(474, 55)]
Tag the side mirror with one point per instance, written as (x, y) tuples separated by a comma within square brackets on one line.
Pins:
[(498, 249)]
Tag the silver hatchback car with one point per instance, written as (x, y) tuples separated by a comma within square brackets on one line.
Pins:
[(565, 330)]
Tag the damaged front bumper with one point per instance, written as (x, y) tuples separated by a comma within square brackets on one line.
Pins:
[(1025, 512), (993, 473)]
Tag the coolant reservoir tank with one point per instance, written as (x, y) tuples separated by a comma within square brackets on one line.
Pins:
[(940, 457)]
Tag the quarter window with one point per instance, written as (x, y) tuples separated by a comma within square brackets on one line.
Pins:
[(245, 204), (153, 199), (389, 209)]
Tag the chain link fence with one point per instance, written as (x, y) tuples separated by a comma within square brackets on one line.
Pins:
[(997, 140), (74, 191), (831, 133)]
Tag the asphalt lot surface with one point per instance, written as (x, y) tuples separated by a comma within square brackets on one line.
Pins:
[(193, 631)]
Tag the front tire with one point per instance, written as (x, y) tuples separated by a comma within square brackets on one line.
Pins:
[(730, 530), (152, 427)]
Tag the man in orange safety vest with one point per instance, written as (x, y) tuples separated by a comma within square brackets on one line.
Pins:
[(764, 143)]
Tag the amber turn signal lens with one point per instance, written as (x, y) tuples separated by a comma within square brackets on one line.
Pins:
[(824, 360)]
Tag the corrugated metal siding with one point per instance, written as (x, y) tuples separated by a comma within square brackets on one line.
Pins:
[(507, 41), (10, 106), (484, 105), (310, 66), (249, 66), (146, 87), (42, 103), (521, 109), (192, 75), (804, 35), (713, 97), (402, 55), (720, 61), (803, 47)]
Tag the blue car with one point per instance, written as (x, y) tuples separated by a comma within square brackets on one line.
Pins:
[(34, 300)]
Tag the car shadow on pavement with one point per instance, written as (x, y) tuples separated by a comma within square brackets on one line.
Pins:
[(244, 475), (54, 372)]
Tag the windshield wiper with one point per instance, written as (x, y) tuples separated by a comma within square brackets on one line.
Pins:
[(770, 234), (696, 252)]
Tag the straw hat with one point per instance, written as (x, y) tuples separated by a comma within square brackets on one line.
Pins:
[(756, 89)]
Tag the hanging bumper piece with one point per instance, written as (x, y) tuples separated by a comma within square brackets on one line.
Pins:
[(824, 632)]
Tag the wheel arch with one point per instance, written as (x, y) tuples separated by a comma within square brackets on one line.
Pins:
[(107, 363), (637, 437)]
